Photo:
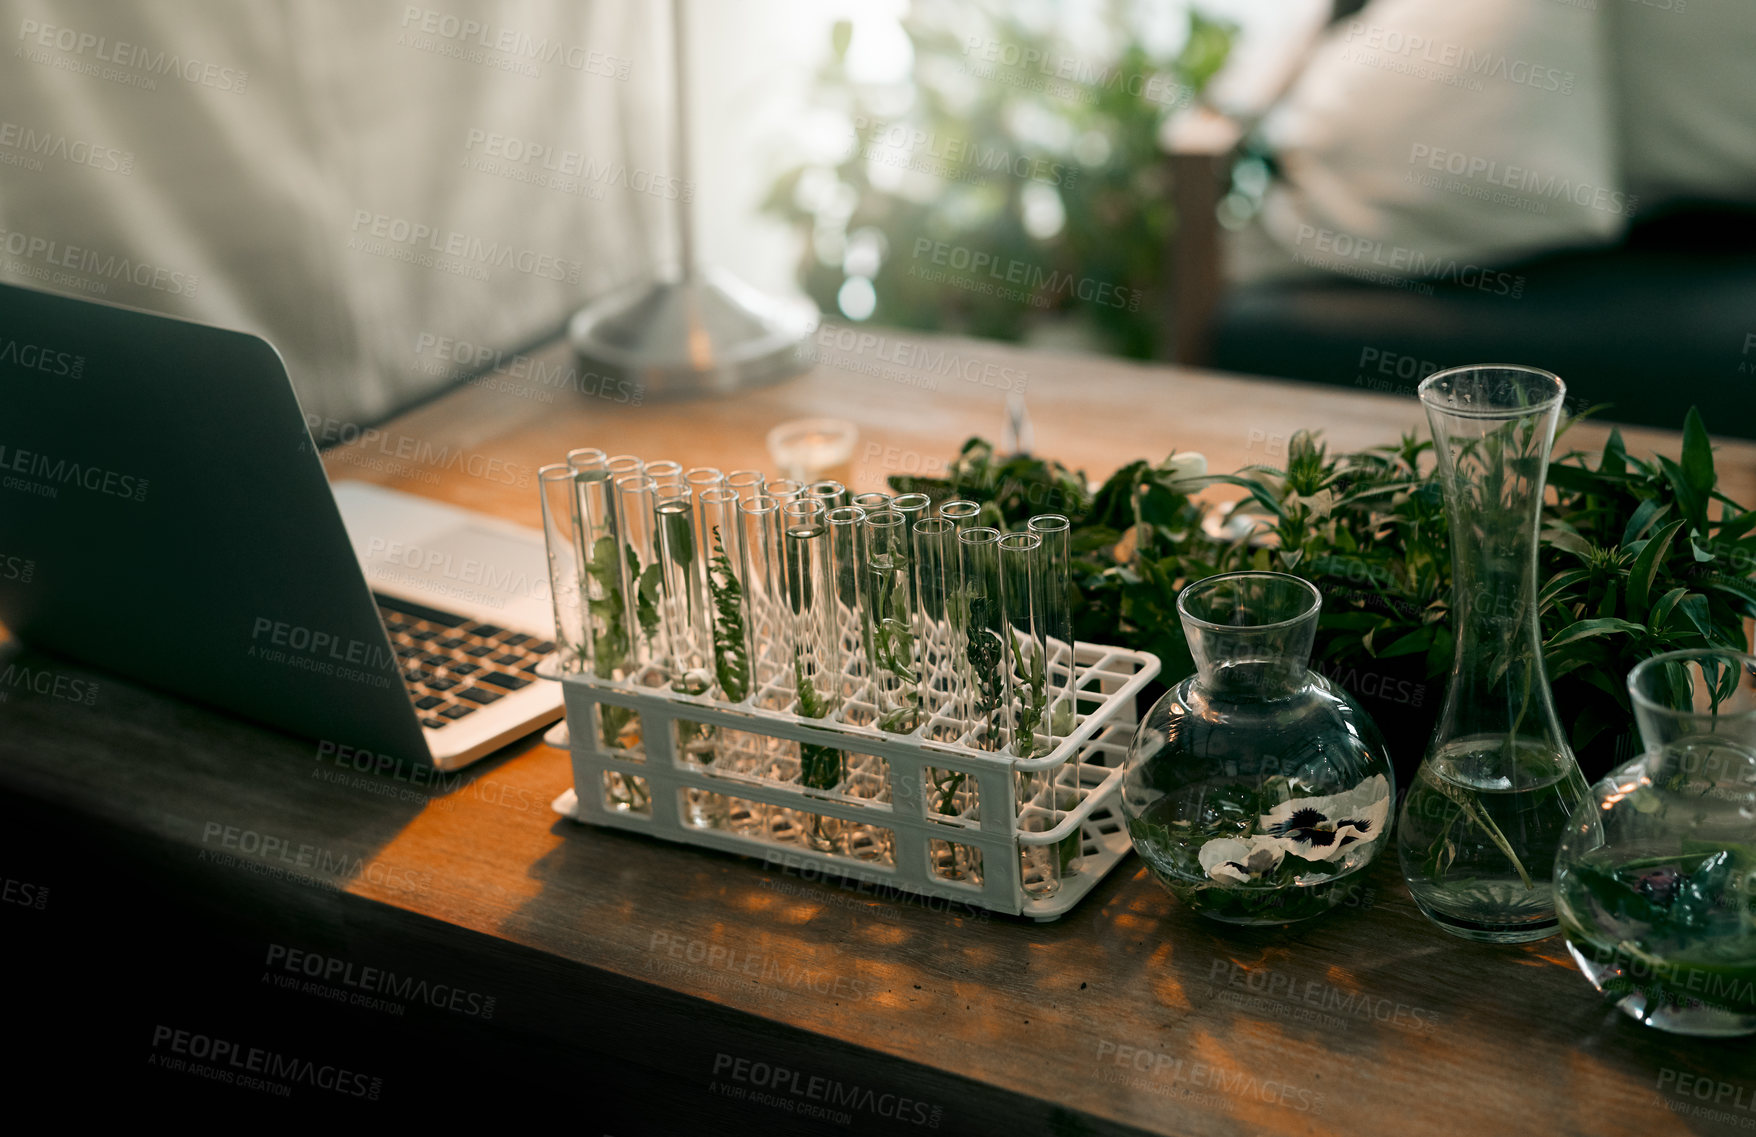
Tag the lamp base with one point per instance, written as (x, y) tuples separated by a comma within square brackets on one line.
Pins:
[(708, 334)]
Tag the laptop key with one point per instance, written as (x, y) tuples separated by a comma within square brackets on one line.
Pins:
[(479, 650), (450, 643), (504, 679), (434, 724), (465, 668), (441, 684), (428, 702), (509, 657), (542, 647), (514, 640), (478, 695), (409, 610), (457, 711)]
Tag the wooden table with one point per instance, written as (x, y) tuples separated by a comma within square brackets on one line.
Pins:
[(652, 988)]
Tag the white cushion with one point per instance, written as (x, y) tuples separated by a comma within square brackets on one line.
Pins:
[(1445, 140), (1687, 118)]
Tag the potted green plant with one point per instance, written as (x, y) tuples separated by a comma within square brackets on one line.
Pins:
[(1640, 556)]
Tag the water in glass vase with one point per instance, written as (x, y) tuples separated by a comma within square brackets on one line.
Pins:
[(1672, 938), (1478, 834), (1207, 844)]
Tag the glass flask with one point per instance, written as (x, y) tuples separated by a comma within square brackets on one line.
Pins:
[(1256, 788), (1485, 811), (1655, 879)]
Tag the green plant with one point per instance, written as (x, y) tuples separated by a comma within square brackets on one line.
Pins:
[(889, 634), (1030, 678), (619, 726), (731, 649), (1633, 562), (819, 766), (1050, 170)]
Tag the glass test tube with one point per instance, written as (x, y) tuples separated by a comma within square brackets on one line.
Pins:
[(786, 489), (935, 577), (748, 483), (1056, 624), (871, 502), (962, 513), (847, 552), (601, 578), (561, 540), (682, 592), (1026, 706), (767, 620), (716, 512), (889, 621), (664, 470), (699, 478), (832, 494), (912, 506), (1056, 559), (981, 678), (621, 464), (816, 643), (636, 495)]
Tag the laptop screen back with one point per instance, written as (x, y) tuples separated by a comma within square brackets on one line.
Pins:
[(159, 475)]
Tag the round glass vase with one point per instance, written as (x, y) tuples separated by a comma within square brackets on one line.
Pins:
[(1256, 788), (1655, 880)]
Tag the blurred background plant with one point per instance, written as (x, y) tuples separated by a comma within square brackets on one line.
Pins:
[(1010, 181)]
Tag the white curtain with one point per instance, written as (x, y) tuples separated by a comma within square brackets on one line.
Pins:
[(370, 186)]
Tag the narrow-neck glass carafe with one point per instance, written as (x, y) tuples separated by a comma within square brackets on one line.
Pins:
[(1481, 822)]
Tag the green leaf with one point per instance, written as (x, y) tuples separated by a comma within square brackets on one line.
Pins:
[(1646, 567), (1661, 612), (1257, 490), (1731, 526), (1695, 608), (1560, 583), (1697, 454), (1416, 641), (1615, 457), (1690, 500), (1569, 542), (1732, 586), (1645, 514), (1585, 629)]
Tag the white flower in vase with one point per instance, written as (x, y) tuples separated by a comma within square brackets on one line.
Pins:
[(1323, 828)]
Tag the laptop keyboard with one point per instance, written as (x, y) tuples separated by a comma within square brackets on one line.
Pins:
[(453, 665)]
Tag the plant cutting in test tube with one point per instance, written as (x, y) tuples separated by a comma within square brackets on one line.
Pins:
[(982, 669), (888, 623), (637, 634), (731, 652), (816, 654), (939, 653)]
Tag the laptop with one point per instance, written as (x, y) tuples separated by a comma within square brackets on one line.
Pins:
[(159, 476)]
